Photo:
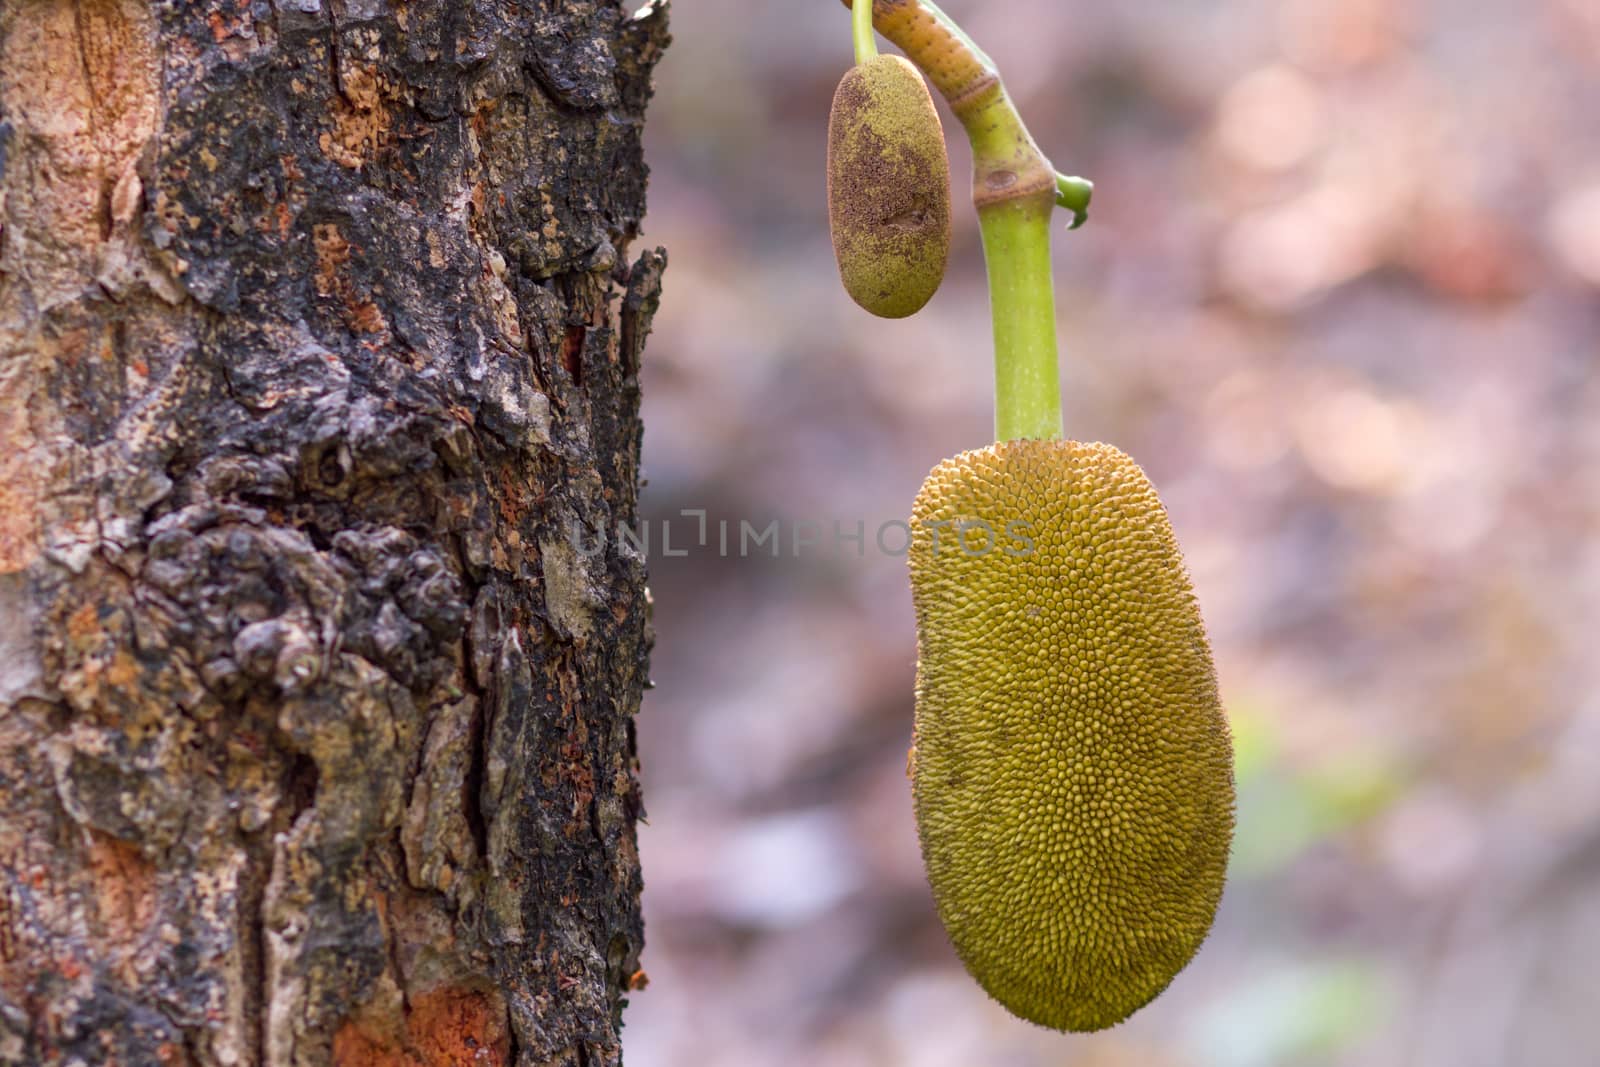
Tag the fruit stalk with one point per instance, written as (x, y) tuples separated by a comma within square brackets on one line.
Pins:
[(1027, 385), (861, 22)]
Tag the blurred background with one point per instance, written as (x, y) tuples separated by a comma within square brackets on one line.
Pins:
[(1340, 296)]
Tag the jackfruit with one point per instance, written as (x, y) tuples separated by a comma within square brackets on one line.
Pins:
[(1072, 773), (888, 188)]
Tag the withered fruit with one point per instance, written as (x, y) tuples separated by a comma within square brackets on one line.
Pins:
[(888, 188)]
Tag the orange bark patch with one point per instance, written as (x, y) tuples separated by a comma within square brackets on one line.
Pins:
[(333, 252), (448, 1027), (22, 461), (333, 256), (572, 352), (19, 508), (83, 624), (81, 82), (361, 118), (124, 889)]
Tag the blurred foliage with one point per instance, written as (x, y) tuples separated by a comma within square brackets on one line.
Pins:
[(1295, 810), (1302, 1013), (1340, 296)]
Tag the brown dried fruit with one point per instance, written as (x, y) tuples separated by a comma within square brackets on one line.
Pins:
[(888, 188)]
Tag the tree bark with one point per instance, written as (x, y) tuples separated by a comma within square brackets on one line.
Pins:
[(318, 340)]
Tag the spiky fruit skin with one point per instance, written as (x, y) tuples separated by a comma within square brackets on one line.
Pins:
[(1072, 771), (888, 188)]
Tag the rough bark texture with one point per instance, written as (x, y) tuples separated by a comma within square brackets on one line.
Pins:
[(318, 333)]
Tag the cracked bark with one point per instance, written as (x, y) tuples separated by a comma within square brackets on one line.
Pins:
[(319, 335)]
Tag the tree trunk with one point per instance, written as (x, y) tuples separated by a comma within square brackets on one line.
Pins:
[(318, 340)]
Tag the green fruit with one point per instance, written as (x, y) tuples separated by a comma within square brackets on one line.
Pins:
[(1072, 772), (888, 188)]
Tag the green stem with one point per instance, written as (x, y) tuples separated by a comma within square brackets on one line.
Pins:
[(861, 26), (1027, 383)]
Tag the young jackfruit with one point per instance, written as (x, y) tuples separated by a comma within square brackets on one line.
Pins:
[(1072, 772), (888, 188)]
